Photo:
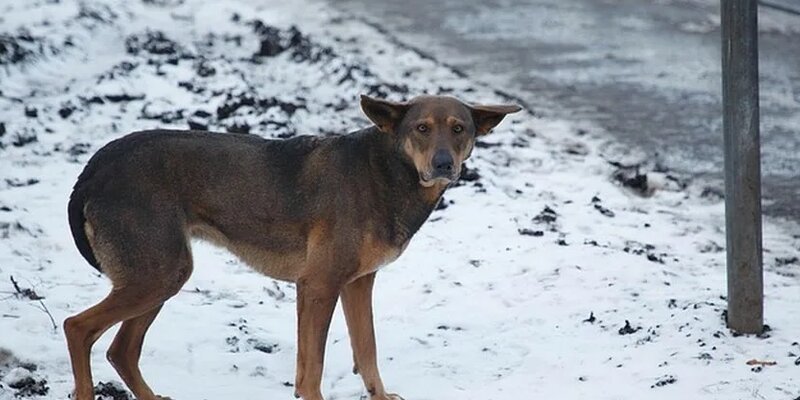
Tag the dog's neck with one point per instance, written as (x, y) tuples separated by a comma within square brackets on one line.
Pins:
[(399, 183)]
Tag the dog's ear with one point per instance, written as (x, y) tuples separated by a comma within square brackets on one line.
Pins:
[(487, 117), (385, 114)]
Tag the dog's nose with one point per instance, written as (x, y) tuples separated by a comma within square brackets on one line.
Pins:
[(442, 164)]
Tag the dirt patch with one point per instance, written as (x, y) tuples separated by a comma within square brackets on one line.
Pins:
[(29, 387), (274, 41), (21, 376), (664, 381), (530, 232), (628, 329), (111, 391), (151, 42), (546, 216), (22, 47)]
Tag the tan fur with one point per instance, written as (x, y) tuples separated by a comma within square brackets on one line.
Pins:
[(375, 254), (278, 265)]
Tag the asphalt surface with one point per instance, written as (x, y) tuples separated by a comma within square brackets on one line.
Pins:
[(647, 73)]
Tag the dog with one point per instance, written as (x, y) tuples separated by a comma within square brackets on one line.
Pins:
[(323, 212)]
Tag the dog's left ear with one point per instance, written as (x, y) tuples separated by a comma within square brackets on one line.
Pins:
[(487, 117), (385, 114)]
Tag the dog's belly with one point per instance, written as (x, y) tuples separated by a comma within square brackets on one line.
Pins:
[(289, 264), (284, 265)]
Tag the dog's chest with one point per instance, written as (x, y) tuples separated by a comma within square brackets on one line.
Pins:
[(376, 253)]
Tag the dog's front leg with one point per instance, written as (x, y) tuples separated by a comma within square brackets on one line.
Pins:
[(316, 301), (357, 305)]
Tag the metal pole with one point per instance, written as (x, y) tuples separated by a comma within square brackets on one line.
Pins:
[(742, 165)]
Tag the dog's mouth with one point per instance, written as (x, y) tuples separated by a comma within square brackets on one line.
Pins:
[(429, 180)]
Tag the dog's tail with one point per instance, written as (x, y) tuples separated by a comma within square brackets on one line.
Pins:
[(77, 221)]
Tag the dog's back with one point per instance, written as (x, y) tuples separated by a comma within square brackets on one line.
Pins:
[(225, 188)]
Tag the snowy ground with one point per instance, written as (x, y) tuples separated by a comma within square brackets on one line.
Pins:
[(521, 287)]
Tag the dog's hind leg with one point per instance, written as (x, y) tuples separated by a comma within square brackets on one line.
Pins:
[(126, 349), (84, 329), (357, 306), (146, 254)]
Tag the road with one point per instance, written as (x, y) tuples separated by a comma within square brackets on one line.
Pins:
[(647, 73)]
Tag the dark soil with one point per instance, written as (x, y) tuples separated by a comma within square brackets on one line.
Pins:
[(469, 174), (273, 41), (632, 179), (784, 261), (29, 387), (547, 216), (151, 42), (603, 210), (123, 97), (21, 47), (234, 102), (111, 391), (628, 329), (530, 232), (66, 110), (443, 204), (664, 381)]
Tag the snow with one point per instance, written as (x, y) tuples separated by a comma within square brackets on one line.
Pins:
[(16, 375), (473, 309)]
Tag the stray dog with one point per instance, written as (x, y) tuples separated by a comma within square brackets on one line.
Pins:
[(325, 213)]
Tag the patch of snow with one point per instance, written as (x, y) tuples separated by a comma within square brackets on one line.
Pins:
[(16, 375)]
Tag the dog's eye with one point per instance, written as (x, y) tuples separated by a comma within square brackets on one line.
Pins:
[(458, 129), (422, 128)]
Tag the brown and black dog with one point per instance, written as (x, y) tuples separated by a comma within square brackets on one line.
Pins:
[(325, 213)]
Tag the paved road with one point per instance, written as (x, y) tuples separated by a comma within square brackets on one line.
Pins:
[(645, 71)]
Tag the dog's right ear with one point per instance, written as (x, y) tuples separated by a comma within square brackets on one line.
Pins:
[(386, 115)]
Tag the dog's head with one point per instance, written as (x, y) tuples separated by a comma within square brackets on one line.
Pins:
[(436, 133)]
